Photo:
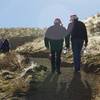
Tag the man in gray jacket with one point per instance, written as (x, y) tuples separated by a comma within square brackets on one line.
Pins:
[(54, 38)]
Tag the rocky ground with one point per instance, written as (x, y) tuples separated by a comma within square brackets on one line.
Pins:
[(18, 75)]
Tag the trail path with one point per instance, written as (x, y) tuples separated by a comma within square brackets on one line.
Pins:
[(66, 86)]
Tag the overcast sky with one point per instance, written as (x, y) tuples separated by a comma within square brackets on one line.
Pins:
[(41, 13)]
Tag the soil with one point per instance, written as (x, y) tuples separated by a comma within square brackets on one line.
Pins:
[(69, 85)]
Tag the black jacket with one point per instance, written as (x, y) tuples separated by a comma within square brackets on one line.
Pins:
[(5, 46), (77, 30), (54, 37)]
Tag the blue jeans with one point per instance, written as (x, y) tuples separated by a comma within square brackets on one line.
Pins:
[(77, 45)]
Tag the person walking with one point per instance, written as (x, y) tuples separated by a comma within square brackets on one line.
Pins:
[(54, 38), (78, 36)]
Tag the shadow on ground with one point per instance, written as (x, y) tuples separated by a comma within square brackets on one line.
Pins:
[(78, 89), (54, 89)]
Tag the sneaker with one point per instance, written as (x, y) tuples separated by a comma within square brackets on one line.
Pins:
[(77, 71)]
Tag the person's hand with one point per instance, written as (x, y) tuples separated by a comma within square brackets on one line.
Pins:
[(64, 50), (49, 56)]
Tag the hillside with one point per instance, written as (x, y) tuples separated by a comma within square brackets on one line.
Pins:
[(20, 32), (20, 36)]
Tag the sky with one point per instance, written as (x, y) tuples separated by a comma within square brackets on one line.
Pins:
[(41, 13)]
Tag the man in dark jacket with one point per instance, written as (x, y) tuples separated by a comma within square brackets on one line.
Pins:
[(54, 38), (78, 35), (5, 46)]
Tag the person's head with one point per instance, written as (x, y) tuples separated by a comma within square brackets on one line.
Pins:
[(57, 21), (73, 18)]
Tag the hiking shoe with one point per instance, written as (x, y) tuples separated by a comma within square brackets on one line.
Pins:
[(77, 71)]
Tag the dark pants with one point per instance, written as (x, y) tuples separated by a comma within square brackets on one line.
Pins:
[(55, 60), (76, 48)]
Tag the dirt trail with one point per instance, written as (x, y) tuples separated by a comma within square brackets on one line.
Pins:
[(66, 86)]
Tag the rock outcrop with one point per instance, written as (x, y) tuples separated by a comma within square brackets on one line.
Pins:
[(16, 81), (93, 24)]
